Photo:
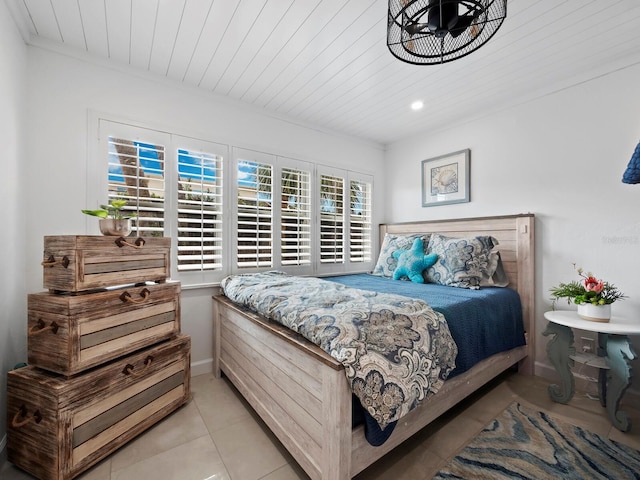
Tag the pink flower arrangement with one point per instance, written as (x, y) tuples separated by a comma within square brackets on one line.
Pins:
[(589, 290)]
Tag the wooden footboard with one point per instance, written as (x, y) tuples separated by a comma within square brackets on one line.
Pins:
[(302, 394)]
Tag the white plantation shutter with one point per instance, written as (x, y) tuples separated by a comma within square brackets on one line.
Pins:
[(200, 202), (332, 220), (295, 217), (360, 221), (136, 174), (273, 213), (254, 240)]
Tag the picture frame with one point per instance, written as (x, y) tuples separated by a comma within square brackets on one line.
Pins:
[(445, 179)]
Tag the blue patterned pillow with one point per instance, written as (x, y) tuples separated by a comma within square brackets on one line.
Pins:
[(386, 264), (412, 262), (462, 262)]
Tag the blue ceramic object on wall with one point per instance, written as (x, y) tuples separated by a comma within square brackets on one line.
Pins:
[(632, 173)]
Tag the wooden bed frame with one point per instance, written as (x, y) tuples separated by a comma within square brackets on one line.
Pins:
[(302, 393)]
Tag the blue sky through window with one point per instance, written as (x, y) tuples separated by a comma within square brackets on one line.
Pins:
[(192, 165), (248, 177), (196, 165), (149, 161), (247, 174)]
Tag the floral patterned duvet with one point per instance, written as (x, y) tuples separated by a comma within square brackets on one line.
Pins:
[(396, 350)]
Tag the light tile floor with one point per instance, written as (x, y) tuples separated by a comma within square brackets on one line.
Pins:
[(217, 436)]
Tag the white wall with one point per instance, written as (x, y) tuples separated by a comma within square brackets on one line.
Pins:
[(13, 330), (62, 90), (560, 157)]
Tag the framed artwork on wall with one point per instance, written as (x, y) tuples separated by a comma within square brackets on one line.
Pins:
[(445, 179)]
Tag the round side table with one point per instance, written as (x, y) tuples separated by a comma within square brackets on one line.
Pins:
[(613, 358)]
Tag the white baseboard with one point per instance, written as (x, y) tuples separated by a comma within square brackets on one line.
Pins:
[(202, 367)]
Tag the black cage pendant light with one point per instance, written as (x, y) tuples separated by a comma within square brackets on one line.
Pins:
[(427, 32)]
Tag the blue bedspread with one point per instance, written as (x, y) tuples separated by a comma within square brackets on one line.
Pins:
[(482, 322)]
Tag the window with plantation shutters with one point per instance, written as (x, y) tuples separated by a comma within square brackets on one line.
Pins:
[(359, 221), (295, 217), (199, 219), (229, 209), (254, 235), (332, 221), (137, 174)]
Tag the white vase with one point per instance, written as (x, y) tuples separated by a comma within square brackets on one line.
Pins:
[(595, 313)]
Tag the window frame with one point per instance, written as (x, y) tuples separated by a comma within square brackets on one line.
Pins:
[(326, 268), (277, 163), (218, 149), (237, 155), (293, 164), (366, 179), (172, 142), (347, 266)]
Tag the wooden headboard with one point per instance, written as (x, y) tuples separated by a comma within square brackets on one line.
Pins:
[(515, 234)]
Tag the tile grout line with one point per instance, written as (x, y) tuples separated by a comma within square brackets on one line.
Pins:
[(209, 433)]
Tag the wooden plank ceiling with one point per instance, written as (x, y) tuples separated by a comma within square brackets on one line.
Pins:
[(325, 62)]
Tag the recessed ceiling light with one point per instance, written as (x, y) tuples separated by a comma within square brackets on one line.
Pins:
[(417, 105)]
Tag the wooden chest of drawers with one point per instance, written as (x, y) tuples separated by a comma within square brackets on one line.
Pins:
[(71, 333), (58, 427), (75, 263)]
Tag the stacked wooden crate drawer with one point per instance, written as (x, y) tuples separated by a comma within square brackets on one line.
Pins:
[(71, 333), (106, 357), (59, 427)]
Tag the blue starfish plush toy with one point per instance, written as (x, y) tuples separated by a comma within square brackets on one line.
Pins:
[(411, 263)]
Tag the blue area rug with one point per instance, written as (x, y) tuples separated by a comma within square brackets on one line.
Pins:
[(523, 443)]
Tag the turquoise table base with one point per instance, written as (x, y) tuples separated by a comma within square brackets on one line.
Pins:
[(559, 351), (612, 382)]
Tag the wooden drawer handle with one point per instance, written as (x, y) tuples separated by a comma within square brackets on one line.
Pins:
[(121, 242), (40, 327), (128, 369), (144, 293), (52, 262), (22, 412)]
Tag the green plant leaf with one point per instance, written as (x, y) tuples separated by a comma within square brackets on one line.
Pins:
[(118, 204), (96, 213)]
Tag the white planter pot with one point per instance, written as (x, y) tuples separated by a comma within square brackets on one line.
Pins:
[(595, 313)]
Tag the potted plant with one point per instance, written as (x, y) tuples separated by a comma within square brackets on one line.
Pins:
[(113, 221), (592, 296)]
